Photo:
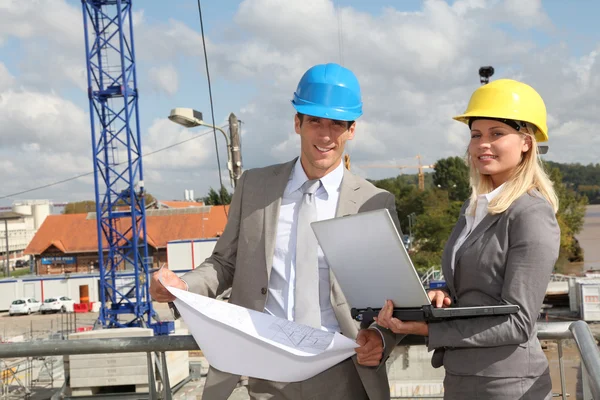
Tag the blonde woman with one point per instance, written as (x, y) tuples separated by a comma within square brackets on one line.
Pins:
[(501, 251)]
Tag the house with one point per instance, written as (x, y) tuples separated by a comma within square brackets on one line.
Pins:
[(68, 243)]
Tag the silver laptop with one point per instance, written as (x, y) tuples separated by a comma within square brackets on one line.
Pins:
[(370, 263)]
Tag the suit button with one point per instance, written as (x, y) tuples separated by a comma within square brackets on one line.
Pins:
[(263, 290)]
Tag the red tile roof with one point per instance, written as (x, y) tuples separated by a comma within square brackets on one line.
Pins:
[(74, 233)]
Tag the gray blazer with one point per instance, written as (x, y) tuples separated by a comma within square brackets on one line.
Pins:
[(507, 259), (243, 257)]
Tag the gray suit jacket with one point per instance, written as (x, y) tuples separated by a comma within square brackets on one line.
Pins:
[(243, 257), (507, 259)]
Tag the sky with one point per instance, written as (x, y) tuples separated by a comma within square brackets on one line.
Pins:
[(417, 62)]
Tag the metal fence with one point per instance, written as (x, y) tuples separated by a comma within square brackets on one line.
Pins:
[(558, 332)]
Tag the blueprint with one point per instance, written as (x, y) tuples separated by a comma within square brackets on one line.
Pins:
[(246, 342)]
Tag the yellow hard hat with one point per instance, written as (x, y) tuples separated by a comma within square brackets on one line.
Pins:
[(511, 100)]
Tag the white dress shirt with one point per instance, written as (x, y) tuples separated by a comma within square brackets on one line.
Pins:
[(281, 294), (483, 200)]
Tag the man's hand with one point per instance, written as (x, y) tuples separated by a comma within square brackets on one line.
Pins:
[(439, 298), (386, 320), (370, 351), (158, 291)]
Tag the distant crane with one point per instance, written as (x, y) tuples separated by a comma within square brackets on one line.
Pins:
[(420, 167)]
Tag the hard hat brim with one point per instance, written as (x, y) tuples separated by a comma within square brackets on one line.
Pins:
[(541, 135), (327, 112)]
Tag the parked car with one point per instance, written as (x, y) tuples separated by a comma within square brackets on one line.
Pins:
[(57, 304), (24, 306)]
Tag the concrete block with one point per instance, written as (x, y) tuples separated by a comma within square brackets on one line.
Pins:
[(131, 371), (107, 363), (142, 388), (107, 381), (83, 391), (96, 370), (102, 357)]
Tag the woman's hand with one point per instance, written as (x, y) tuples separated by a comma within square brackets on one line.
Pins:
[(439, 298), (386, 320)]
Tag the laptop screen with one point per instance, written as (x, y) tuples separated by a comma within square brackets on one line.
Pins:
[(369, 260)]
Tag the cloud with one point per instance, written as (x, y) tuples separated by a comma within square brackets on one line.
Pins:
[(42, 119), (6, 79), (166, 41), (43, 138), (51, 42), (193, 147), (417, 70), (164, 79)]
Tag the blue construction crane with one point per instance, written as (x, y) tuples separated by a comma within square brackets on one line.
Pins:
[(117, 154)]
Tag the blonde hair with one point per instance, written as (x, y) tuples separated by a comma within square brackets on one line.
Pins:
[(527, 177)]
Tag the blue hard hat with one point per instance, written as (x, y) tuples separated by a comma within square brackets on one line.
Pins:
[(329, 91)]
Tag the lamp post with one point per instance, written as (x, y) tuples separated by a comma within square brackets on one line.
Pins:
[(412, 220), (191, 118)]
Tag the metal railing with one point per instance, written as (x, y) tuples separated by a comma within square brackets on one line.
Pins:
[(433, 273), (558, 332)]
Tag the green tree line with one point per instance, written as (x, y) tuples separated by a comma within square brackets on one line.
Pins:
[(437, 208), (583, 179)]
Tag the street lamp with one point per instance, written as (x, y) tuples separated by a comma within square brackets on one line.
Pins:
[(191, 118)]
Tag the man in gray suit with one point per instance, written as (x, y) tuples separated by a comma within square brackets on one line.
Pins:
[(263, 254)]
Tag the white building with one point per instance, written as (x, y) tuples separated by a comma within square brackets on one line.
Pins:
[(21, 231)]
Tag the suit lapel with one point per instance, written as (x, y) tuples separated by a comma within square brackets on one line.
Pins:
[(485, 224), (273, 190), (347, 204)]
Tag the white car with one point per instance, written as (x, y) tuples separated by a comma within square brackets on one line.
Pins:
[(57, 304), (24, 306)]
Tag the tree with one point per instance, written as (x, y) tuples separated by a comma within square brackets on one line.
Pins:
[(584, 179), (433, 228), (86, 206), (217, 199), (570, 215), (80, 207), (452, 174)]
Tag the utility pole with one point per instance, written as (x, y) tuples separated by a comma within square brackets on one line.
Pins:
[(7, 267), (412, 220), (5, 216), (236, 150)]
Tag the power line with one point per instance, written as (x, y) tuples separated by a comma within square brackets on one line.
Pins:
[(340, 27), (212, 111), (90, 173)]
